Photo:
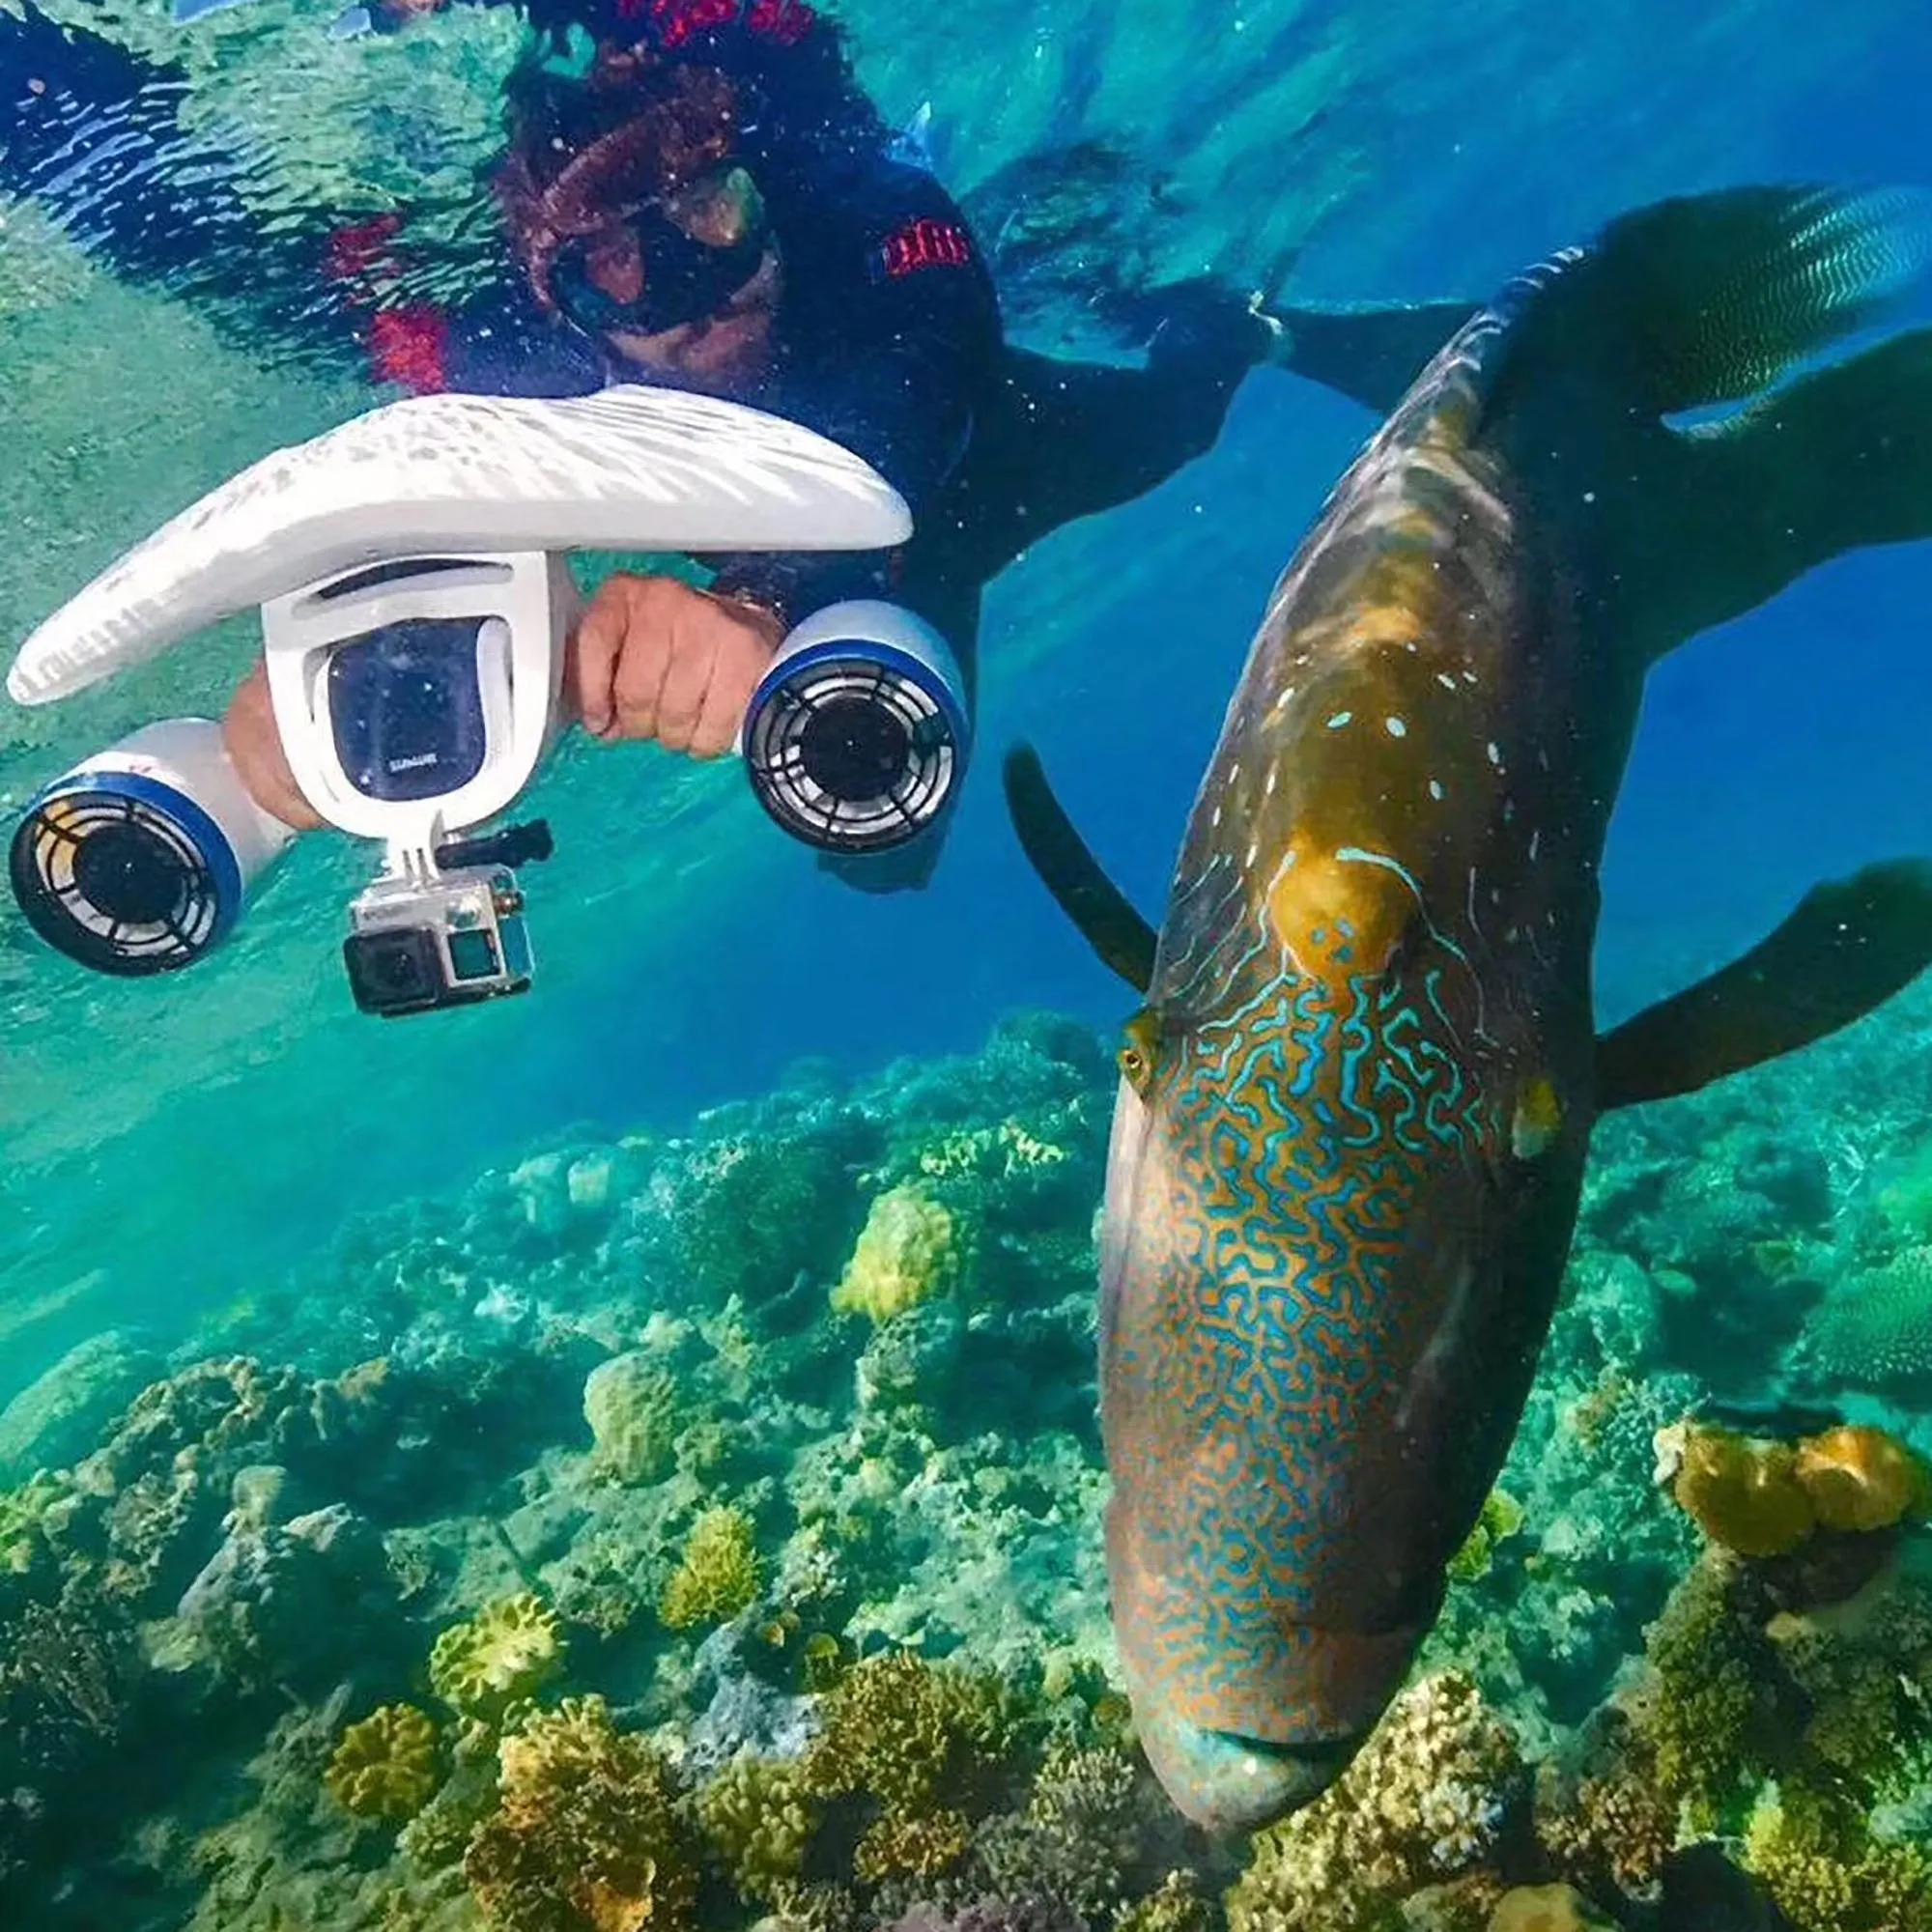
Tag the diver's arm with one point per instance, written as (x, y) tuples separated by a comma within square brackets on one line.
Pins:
[(1078, 438), (908, 337)]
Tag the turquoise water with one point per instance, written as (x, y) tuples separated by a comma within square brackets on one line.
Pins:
[(425, 1238)]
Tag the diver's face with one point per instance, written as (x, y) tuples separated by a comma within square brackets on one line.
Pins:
[(730, 350)]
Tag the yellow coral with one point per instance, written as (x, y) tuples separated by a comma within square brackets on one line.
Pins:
[(1863, 1479), (632, 1406), (1004, 1151), (760, 1821), (908, 1252), (717, 1576), (1827, 1875), (588, 1832), (502, 1656), (386, 1766), (1744, 1495), (921, 1849), (1421, 1803), (912, 1735), (1546, 1908)]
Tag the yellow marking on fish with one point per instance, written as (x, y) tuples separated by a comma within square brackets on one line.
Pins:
[(1538, 1120), (1335, 916)]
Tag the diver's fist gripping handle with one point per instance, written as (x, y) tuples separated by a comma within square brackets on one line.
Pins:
[(857, 737)]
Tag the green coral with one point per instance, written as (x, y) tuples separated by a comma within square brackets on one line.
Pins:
[(916, 1738), (1712, 1669), (505, 1655), (1502, 1517), (908, 1252), (588, 1832), (386, 1767), (1827, 1875), (1424, 1801), (753, 1210), (1875, 1330), (634, 1409), (759, 1819), (1176, 1906), (718, 1575)]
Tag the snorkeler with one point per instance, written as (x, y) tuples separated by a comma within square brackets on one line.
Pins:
[(693, 193)]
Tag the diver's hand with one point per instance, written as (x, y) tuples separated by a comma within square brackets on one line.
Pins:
[(254, 745), (653, 658)]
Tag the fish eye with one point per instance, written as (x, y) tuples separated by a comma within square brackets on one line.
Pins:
[(1137, 1056)]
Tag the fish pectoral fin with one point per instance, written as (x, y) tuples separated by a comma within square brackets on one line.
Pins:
[(1371, 355), (1846, 948), (1102, 913)]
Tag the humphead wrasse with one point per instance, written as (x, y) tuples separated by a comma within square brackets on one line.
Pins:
[(1355, 1107)]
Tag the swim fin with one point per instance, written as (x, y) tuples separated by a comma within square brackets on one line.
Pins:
[(1105, 916), (1847, 949), (1370, 355)]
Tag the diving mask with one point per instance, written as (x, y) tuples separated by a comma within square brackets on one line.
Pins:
[(665, 247)]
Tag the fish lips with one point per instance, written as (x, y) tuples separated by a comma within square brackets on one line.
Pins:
[(1244, 1728)]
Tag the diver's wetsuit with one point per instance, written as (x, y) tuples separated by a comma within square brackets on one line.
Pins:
[(889, 332)]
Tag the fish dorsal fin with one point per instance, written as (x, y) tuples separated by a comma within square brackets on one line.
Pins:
[(1846, 948), (1708, 298), (1104, 914)]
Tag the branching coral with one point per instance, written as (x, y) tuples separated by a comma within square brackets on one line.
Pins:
[(1425, 1801), (1076, 1838), (754, 1209), (1824, 1870), (588, 1832), (1875, 1331), (386, 1767), (908, 1252), (915, 1736), (502, 1656), (1712, 1668), (758, 1821), (717, 1573)]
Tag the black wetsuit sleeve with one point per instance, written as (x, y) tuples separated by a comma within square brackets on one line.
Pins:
[(1071, 439), (92, 135), (892, 334)]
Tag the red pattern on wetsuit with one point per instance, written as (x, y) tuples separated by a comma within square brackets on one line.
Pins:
[(925, 243), (409, 346)]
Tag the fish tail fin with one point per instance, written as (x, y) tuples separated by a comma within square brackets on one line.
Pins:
[(1711, 300)]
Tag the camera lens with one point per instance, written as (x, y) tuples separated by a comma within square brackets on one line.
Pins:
[(395, 972)]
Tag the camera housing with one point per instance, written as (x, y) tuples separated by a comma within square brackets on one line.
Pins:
[(455, 940)]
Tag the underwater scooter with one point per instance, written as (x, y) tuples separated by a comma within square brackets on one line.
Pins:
[(411, 573)]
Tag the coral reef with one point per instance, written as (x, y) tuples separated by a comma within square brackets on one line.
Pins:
[(501, 1657), (908, 1252), (588, 1832), (386, 1767), (1425, 1801), (704, 1529), (718, 1575)]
